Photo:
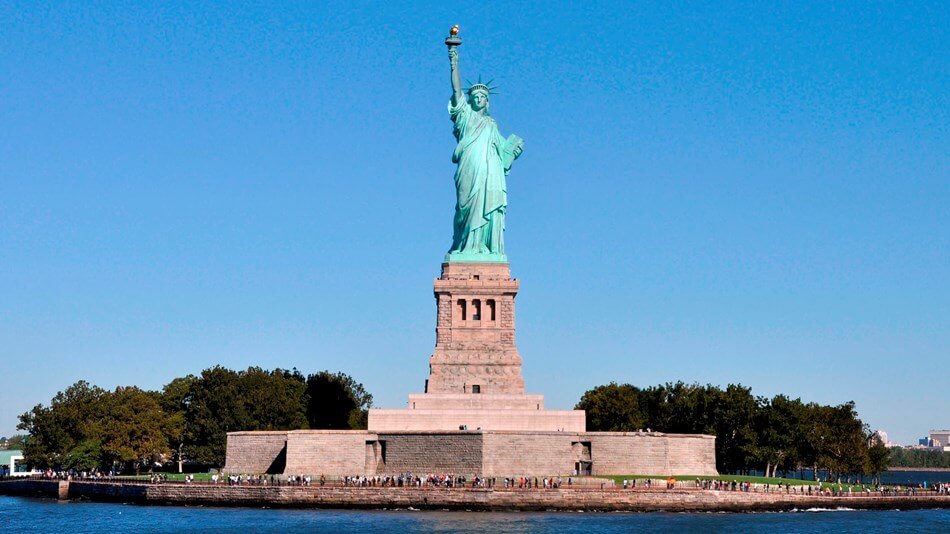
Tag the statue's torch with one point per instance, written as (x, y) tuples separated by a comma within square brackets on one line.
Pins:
[(453, 39)]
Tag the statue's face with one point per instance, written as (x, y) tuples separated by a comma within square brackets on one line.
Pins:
[(478, 100)]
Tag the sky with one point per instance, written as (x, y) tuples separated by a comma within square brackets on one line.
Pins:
[(754, 193)]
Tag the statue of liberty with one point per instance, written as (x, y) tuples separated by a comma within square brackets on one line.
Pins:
[(484, 158)]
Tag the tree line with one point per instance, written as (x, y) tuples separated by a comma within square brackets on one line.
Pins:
[(86, 427), (926, 458), (127, 429), (771, 435), (14, 442)]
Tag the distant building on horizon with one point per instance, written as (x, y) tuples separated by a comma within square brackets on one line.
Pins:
[(940, 438), (936, 440), (881, 435)]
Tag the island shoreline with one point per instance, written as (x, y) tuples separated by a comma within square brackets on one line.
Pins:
[(922, 469), (461, 499)]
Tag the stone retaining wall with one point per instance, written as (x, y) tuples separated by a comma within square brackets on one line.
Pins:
[(651, 453), (30, 488), (450, 418), (255, 452), (454, 452), (110, 491), (338, 452), (462, 499), (484, 453), (517, 454)]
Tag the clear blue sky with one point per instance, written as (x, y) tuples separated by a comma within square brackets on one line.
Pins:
[(753, 193)]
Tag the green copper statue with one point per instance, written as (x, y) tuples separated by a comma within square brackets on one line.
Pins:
[(484, 158)]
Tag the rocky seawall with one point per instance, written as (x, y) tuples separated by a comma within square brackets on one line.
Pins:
[(588, 499)]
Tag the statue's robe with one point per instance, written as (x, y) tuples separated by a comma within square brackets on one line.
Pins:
[(484, 158)]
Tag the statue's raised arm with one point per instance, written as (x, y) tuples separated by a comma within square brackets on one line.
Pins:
[(457, 95), (453, 41)]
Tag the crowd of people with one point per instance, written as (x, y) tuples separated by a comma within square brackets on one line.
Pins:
[(247, 480), (648, 483), (72, 474), (403, 480), (545, 482), (409, 479)]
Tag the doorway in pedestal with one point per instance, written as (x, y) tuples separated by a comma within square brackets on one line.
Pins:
[(583, 468)]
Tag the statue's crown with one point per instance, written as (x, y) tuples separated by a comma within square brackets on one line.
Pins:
[(479, 86)]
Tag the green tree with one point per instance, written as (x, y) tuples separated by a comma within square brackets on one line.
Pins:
[(276, 399), (175, 398), (847, 452), (878, 456), (215, 409), (336, 401), (86, 456), (682, 408), (779, 429), (751, 432), (734, 427), (836, 439), (612, 408), (221, 400), (135, 429), (72, 417), (900, 457), (814, 428)]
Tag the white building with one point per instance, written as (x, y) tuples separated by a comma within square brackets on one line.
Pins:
[(12, 464)]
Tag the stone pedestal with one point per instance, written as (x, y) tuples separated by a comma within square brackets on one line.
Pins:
[(475, 379), (475, 331)]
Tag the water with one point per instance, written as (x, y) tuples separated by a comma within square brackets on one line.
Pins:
[(19, 514), (912, 478)]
